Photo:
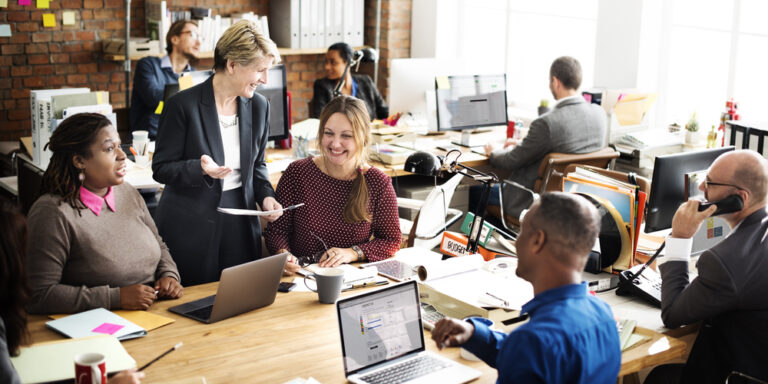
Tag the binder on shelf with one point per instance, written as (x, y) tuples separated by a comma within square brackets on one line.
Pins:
[(40, 112), (284, 23), (305, 24), (333, 22), (158, 21), (318, 31), (348, 24), (357, 23)]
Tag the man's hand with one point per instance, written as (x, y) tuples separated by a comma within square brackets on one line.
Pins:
[(169, 288), (138, 296), (688, 219), (270, 204), (212, 169), (130, 376), (452, 333)]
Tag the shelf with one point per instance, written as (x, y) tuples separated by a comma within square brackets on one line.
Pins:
[(209, 55)]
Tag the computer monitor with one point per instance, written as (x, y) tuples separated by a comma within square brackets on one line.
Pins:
[(668, 184), (468, 102), (275, 90)]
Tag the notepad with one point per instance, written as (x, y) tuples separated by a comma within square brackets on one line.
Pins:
[(97, 321), (147, 320), (54, 361)]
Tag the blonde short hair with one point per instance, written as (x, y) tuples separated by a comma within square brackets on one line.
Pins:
[(243, 43)]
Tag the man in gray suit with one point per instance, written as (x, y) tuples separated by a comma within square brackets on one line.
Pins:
[(730, 293), (573, 126)]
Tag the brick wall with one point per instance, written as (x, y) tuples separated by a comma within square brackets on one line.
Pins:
[(36, 57)]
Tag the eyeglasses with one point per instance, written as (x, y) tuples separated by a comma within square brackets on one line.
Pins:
[(194, 35), (314, 259), (708, 184)]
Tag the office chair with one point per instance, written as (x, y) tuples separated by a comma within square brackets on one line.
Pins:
[(30, 179), (742, 378), (434, 215), (642, 182)]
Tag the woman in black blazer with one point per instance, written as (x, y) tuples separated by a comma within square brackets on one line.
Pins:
[(210, 153), (359, 86)]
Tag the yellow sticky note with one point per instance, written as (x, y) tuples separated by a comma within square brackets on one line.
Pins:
[(49, 20), (442, 82), (159, 109), (43, 4), (68, 18), (3, 3), (185, 82)]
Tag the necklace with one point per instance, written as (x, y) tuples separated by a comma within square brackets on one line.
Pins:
[(228, 121)]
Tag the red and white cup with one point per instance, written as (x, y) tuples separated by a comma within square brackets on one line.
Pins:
[(90, 368)]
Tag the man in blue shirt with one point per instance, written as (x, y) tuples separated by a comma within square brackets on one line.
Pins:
[(571, 336), (153, 73)]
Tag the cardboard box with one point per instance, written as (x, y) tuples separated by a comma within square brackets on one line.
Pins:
[(138, 46)]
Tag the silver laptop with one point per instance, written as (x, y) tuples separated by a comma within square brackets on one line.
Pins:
[(258, 278), (382, 340)]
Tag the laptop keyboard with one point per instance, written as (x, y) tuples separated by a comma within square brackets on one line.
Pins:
[(407, 370), (394, 269), (202, 313)]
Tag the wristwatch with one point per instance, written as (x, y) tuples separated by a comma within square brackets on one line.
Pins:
[(360, 254)]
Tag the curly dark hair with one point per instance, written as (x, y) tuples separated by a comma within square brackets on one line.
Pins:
[(14, 289), (72, 137)]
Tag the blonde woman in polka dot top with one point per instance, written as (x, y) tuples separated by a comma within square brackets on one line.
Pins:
[(350, 206)]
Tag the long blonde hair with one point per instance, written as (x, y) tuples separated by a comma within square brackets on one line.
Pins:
[(356, 208)]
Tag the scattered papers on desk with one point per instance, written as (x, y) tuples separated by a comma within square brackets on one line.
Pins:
[(278, 165), (253, 212), (352, 275), (143, 319), (650, 138), (53, 361), (300, 380), (94, 322)]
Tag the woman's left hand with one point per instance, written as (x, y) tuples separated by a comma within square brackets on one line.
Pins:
[(169, 288), (270, 204), (337, 256)]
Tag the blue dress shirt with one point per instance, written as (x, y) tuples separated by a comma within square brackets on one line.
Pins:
[(571, 337), (149, 80)]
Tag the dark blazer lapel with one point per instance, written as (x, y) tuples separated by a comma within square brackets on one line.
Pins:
[(209, 116), (246, 141)]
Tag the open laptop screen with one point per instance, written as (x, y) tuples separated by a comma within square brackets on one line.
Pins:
[(380, 326)]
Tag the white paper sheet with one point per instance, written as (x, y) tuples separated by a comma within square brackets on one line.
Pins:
[(254, 212)]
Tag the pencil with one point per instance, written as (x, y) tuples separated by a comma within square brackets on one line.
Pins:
[(133, 151), (175, 347)]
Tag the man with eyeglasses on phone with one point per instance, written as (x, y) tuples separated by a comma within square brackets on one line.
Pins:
[(730, 294), (153, 73)]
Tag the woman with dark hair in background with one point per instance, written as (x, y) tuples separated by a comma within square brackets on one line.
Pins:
[(359, 86), (92, 241), (14, 294)]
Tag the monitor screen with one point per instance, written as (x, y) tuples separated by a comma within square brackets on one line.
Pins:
[(466, 102), (668, 184), (275, 90)]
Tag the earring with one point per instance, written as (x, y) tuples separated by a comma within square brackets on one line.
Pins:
[(81, 176)]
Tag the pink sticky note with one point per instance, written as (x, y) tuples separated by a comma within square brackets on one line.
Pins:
[(25, 2), (107, 328)]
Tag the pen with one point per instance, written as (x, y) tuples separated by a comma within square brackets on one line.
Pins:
[(133, 151), (367, 284), (175, 347), (293, 206), (503, 302)]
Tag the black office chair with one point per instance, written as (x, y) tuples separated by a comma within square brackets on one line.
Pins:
[(30, 179)]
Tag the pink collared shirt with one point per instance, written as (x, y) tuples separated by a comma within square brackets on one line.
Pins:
[(95, 202)]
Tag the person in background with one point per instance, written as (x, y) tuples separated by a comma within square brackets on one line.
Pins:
[(152, 74), (729, 293), (359, 86), (573, 126), (349, 206), (92, 241), (14, 293), (210, 153), (571, 336)]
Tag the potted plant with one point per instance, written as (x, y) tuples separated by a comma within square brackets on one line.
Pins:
[(692, 135)]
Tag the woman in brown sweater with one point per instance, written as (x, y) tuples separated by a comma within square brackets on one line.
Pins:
[(92, 241)]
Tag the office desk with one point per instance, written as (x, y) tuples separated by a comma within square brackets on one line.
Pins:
[(294, 337)]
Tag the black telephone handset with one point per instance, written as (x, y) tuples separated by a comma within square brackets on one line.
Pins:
[(730, 204)]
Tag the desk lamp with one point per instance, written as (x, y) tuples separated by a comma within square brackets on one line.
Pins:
[(428, 164), (369, 55)]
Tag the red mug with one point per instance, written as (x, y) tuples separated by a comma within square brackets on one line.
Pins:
[(90, 368), (510, 129)]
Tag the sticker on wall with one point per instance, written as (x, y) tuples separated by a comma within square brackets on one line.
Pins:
[(25, 2), (49, 20), (44, 4), (5, 30), (68, 18), (3, 3)]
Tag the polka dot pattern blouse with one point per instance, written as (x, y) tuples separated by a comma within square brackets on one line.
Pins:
[(324, 198)]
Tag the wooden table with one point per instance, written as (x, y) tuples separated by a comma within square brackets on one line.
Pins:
[(294, 337)]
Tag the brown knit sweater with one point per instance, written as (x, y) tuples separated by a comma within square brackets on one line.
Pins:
[(76, 263)]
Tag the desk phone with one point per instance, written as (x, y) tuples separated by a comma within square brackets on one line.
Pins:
[(646, 286)]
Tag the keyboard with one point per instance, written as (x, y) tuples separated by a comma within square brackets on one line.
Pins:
[(202, 313), (407, 370), (394, 269), (429, 316)]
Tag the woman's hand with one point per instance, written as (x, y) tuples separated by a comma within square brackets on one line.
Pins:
[(292, 265), (212, 169), (130, 376), (337, 256), (270, 204), (137, 296), (169, 288)]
